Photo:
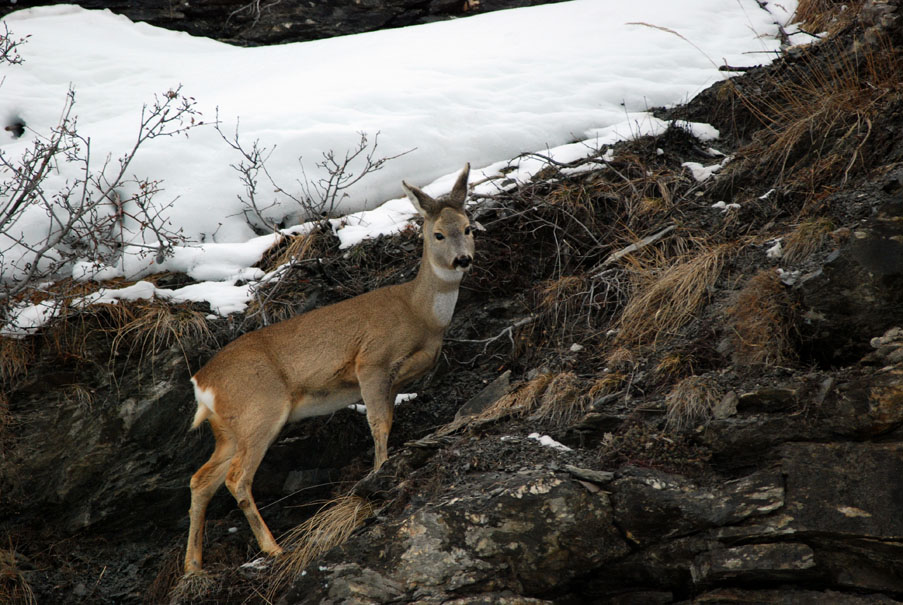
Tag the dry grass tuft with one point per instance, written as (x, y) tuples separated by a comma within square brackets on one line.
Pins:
[(818, 114), (15, 355), (818, 16), (691, 402), (557, 398), (169, 575), (762, 322), (561, 400), (192, 588), (674, 364), (149, 326), (608, 384), (621, 358), (291, 248), (666, 299), (517, 403), (806, 239), (14, 587), (331, 526)]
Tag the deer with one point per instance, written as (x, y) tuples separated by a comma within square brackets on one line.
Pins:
[(362, 348)]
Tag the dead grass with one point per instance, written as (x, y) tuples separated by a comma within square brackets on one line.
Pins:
[(609, 383), (519, 402), (291, 248), (806, 239), (816, 16), (666, 298), (331, 526), (14, 586), (576, 308), (819, 114), (691, 402), (146, 327), (561, 401), (194, 588), (165, 588), (557, 398), (762, 322), (15, 355), (673, 365)]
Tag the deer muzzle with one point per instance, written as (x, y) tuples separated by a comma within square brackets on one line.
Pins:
[(462, 261)]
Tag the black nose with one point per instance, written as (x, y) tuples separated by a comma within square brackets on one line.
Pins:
[(462, 261)]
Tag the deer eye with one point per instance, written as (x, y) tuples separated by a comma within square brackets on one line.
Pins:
[(439, 236), (467, 230)]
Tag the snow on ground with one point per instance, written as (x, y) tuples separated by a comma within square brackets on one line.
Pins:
[(482, 89)]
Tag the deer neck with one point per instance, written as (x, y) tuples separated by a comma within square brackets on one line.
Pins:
[(435, 291)]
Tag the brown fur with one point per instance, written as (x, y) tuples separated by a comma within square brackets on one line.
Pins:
[(365, 348)]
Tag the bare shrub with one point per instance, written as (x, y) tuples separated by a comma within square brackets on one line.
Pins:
[(318, 198), (90, 218)]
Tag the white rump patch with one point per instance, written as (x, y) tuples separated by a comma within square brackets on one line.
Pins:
[(204, 396)]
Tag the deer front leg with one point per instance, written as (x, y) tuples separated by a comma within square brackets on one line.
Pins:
[(376, 391)]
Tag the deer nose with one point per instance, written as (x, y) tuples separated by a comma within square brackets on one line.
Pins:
[(462, 261)]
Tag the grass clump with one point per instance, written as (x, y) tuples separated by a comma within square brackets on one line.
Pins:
[(330, 527), (14, 586), (806, 239), (691, 402), (818, 114), (665, 299), (762, 322)]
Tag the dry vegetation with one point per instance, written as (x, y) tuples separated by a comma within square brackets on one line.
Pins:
[(668, 293), (807, 238), (826, 15), (691, 403), (762, 322), (331, 526), (14, 587), (819, 114)]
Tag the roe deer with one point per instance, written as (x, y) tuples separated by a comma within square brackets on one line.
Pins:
[(365, 347)]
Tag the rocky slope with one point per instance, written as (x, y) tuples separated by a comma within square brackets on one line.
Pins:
[(259, 22), (729, 395)]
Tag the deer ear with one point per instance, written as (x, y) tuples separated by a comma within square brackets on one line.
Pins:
[(458, 194), (424, 204)]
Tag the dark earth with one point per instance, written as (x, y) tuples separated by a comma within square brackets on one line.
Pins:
[(734, 414)]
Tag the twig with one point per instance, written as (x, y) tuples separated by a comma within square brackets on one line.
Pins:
[(637, 245)]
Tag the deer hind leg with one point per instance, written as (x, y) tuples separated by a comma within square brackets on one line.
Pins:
[(240, 476), (204, 484), (379, 398)]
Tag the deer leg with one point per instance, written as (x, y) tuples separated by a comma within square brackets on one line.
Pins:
[(376, 391), (204, 484), (241, 474)]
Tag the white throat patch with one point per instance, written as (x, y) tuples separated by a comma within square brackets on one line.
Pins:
[(444, 306), (447, 275)]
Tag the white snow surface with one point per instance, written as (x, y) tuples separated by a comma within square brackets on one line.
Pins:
[(482, 89), (548, 441)]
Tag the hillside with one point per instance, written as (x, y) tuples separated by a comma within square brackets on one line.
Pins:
[(710, 334)]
